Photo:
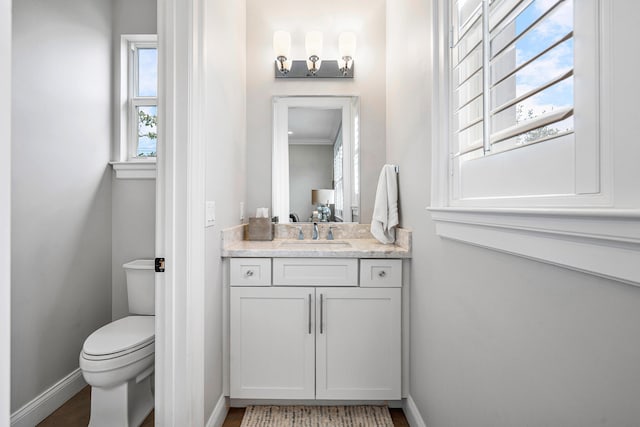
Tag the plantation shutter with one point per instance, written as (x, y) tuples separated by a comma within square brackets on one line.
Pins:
[(512, 62)]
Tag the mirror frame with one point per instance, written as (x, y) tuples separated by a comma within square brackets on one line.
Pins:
[(350, 106)]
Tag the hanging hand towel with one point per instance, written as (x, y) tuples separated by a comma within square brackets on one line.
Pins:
[(385, 210)]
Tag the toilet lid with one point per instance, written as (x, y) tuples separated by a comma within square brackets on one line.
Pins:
[(120, 336)]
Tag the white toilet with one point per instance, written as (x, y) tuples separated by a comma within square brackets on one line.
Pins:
[(117, 360)]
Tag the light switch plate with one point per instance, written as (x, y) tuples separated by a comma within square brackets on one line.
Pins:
[(241, 211), (210, 215)]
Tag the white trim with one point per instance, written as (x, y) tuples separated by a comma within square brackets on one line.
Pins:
[(597, 241), (411, 412), (179, 399), (280, 147), (48, 401), (5, 212), (126, 149), (122, 150), (135, 170), (219, 412)]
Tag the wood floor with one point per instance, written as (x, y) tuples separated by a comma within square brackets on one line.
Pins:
[(75, 413)]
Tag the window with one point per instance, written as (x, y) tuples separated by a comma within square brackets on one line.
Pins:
[(513, 127), (535, 146), (135, 150), (142, 99)]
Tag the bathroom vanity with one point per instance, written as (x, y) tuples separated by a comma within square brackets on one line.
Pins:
[(315, 319)]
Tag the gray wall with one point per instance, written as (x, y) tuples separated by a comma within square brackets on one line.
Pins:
[(61, 187), (225, 166), (502, 341), (310, 166), (331, 17), (133, 213), (133, 201)]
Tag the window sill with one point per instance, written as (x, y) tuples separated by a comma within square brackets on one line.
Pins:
[(604, 242), (135, 170)]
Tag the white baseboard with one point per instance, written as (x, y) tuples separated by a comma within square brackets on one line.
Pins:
[(412, 413), (219, 413), (48, 401)]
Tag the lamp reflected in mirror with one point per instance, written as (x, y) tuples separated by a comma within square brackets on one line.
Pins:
[(323, 199)]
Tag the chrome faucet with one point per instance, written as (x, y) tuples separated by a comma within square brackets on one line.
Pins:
[(300, 234), (315, 231), (330, 233)]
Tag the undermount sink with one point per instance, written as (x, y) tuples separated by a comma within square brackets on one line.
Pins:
[(315, 244)]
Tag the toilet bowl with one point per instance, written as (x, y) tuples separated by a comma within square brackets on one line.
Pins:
[(117, 360)]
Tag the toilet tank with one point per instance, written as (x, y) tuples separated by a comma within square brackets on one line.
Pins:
[(141, 290)]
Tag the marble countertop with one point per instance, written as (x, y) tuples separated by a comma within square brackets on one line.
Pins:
[(345, 245)]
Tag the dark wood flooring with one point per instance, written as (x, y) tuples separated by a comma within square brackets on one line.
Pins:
[(75, 413)]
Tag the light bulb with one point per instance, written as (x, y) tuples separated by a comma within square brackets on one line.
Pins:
[(282, 44), (347, 45)]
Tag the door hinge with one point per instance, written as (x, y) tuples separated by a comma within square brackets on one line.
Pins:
[(159, 265)]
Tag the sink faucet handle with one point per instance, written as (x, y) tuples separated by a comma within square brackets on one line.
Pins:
[(315, 231), (330, 233), (300, 234)]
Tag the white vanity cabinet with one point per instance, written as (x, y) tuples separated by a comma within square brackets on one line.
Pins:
[(358, 343), (309, 342), (272, 343)]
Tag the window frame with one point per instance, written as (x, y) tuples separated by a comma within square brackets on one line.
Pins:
[(127, 164), (594, 233), (591, 186), (136, 101)]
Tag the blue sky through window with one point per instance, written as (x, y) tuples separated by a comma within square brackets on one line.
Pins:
[(147, 72), (554, 63)]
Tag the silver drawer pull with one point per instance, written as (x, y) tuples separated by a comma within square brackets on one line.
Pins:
[(321, 312), (382, 273), (309, 314), (249, 273)]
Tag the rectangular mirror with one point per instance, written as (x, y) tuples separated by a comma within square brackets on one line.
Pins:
[(316, 159)]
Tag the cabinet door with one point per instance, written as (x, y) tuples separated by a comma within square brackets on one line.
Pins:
[(272, 343), (358, 343)]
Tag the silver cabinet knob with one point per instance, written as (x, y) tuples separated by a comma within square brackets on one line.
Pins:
[(249, 273), (382, 273)]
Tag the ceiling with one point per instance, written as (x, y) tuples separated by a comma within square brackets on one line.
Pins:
[(313, 125)]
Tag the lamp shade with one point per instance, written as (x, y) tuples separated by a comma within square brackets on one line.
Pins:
[(322, 197), (313, 43), (347, 45), (282, 44)]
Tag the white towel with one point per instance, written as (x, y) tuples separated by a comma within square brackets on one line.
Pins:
[(385, 210)]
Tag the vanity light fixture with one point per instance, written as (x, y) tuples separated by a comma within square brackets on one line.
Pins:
[(314, 66)]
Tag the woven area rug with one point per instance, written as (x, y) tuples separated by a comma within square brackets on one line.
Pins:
[(317, 416)]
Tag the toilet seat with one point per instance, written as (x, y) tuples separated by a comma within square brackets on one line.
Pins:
[(119, 344)]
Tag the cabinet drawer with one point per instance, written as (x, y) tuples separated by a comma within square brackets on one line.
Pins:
[(315, 272), (381, 273), (250, 272)]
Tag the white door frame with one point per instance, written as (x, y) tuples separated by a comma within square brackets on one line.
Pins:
[(180, 194), (5, 212)]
